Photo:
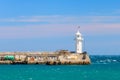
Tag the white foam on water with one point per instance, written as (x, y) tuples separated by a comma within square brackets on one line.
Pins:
[(30, 78)]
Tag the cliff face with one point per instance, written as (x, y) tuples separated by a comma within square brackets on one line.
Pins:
[(50, 58)]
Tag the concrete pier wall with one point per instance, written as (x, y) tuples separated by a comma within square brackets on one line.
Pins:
[(49, 58)]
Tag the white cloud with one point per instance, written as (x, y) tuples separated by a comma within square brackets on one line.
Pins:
[(32, 31), (63, 19), (60, 26)]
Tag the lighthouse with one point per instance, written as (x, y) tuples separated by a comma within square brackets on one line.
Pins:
[(79, 41)]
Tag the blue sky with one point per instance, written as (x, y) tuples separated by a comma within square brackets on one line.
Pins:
[(50, 25)]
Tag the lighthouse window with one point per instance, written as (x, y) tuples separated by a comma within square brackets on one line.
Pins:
[(78, 36)]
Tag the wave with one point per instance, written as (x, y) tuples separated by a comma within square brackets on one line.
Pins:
[(105, 59)]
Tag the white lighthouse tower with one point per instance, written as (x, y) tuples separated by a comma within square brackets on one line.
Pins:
[(79, 41)]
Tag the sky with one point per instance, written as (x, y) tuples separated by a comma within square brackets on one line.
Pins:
[(50, 25)]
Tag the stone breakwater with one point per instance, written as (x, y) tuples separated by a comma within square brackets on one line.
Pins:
[(50, 58)]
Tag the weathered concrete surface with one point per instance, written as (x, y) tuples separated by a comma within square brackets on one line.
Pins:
[(49, 58)]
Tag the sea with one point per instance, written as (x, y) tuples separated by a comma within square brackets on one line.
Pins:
[(101, 68)]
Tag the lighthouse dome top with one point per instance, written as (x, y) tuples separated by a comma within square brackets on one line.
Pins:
[(78, 33)]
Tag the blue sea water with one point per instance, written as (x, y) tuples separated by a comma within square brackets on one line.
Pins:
[(102, 68)]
